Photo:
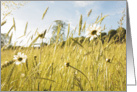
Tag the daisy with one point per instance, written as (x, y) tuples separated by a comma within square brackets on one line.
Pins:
[(20, 58), (93, 31)]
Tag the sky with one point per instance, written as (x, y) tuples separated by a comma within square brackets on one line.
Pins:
[(68, 11)]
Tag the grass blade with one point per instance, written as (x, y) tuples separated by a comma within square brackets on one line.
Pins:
[(14, 24), (77, 43), (36, 32), (68, 30), (9, 31), (89, 12), (26, 28), (33, 41), (20, 37), (6, 14), (10, 74), (80, 25), (49, 28), (46, 79), (3, 22), (101, 19), (45, 13), (10, 38), (28, 34), (75, 29), (84, 26), (97, 19)]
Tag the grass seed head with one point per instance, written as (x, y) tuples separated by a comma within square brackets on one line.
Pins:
[(67, 64), (6, 64), (3, 22), (35, 57), (45, 13), (107, 60), (80, 25), (89, 12)]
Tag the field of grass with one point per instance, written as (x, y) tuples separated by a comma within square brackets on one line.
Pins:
[(86, 69), (76, 64)]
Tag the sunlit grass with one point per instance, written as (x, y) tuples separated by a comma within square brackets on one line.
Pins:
[(52, 74), (71, 65)]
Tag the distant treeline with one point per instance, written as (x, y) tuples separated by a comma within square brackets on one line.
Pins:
[(117, 36)]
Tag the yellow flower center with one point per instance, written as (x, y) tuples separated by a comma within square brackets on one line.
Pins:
[(20, 59), (94, 32)]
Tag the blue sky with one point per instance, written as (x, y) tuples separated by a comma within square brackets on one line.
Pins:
[(68, 11)]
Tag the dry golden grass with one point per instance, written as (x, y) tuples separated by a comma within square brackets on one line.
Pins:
[(82, 67), (52, 74)]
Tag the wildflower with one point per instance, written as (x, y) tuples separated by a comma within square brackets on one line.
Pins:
[(20, 58), (93, 31), (107, 60)]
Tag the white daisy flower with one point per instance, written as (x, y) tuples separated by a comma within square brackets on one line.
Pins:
[(93, 31), (20, 58)]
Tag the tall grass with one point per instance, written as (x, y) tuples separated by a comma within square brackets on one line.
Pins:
[(102, 75), (46, 70)]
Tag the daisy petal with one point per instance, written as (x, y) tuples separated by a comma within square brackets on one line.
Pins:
[(19, 53), (94, 25), (24, 60), (91, 38), (95, 36), (20, 58), (17, 63), (93, 31), (98, 27), (98, 33), (15, 58)]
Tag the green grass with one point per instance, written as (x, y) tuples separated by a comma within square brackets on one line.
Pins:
[(52, 74)]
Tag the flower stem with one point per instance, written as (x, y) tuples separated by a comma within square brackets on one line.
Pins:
[(82, 74)]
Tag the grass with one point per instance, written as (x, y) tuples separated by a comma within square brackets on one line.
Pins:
[(72, 67), (51, 74)]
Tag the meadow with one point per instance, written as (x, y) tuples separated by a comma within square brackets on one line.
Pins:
[(76, 64), (46, 70)]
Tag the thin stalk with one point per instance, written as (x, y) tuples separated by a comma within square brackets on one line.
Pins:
[(39, 62), (82, 74), (24, 68)]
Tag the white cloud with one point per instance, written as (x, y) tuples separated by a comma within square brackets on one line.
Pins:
[(52, 1), (83, 3)]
